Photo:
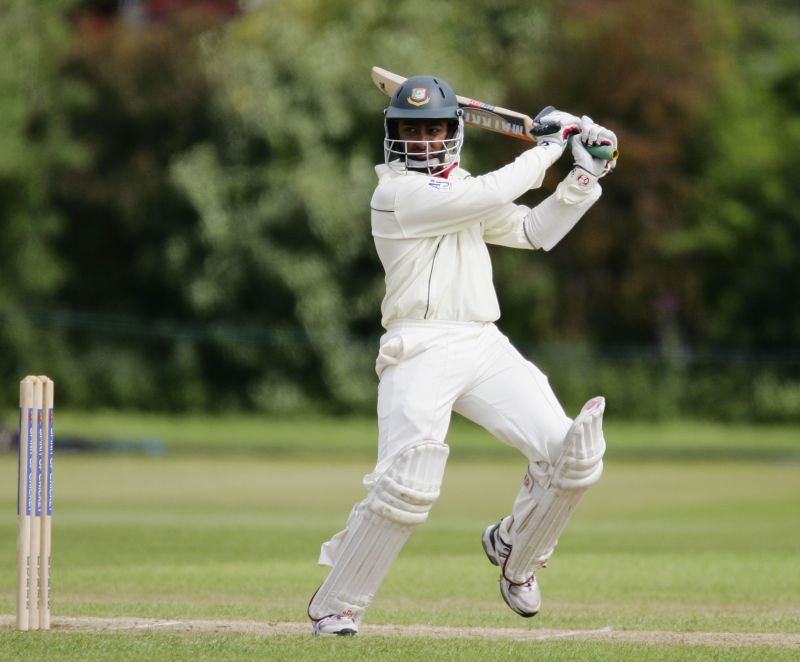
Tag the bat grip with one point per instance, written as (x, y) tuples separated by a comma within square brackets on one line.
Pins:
[(604, 152)]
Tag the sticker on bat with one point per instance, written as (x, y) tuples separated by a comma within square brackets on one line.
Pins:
[(488, 120)]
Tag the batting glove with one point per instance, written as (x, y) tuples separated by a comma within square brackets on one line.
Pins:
[(553, 126), (588, 169), (594, 134)]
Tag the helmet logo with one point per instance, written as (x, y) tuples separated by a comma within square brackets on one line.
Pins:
[(419, 97)]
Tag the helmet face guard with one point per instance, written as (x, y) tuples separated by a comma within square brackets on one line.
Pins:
[(423, 98), (438, 155)]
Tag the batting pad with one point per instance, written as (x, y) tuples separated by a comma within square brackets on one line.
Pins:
[(378, 528), (544, 505)]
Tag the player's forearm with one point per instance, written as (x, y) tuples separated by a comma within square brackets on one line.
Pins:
[(507, 228), (550, 221), (526, 172)]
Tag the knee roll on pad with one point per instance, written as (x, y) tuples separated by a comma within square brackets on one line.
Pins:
[(399, 500), (546, 502), (581, 462), (408, 489)]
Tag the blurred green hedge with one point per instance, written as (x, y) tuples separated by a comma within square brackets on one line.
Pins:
[(184, 202)]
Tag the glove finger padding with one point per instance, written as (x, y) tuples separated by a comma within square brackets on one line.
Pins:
[(594, 134), (595, 167)]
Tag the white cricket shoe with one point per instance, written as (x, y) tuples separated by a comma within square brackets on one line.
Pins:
[(334, 626), (495, 547), (525, 599)]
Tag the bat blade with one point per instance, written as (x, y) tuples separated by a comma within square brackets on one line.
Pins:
[(386, 81), (476, 113), (490, 120)]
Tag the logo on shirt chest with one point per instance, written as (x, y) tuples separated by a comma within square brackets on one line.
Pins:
[(437, 184)]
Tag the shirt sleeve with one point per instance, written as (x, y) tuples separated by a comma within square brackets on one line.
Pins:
[(517, 226), (431, 206), (550, 221), (507, 228)]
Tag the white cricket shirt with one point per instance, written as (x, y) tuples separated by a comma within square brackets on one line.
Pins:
[(431, 234)]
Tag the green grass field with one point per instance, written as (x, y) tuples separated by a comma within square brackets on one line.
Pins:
[(675, 541)]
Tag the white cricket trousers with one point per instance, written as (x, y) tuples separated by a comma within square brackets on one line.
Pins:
[(430, 368), (427, 370)]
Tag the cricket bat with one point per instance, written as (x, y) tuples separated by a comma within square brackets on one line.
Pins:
[(492, 118)]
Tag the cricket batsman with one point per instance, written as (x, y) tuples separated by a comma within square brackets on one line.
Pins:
[(431, 222)]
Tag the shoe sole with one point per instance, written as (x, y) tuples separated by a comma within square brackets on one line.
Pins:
[(346, 632), (526, 614)]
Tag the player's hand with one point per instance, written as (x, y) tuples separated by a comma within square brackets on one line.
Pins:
[(553, 126), (587, 170), (592, 133)]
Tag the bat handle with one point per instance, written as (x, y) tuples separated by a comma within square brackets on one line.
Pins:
[(604, 152)]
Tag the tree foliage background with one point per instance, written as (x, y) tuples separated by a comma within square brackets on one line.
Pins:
[(184, 201)]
